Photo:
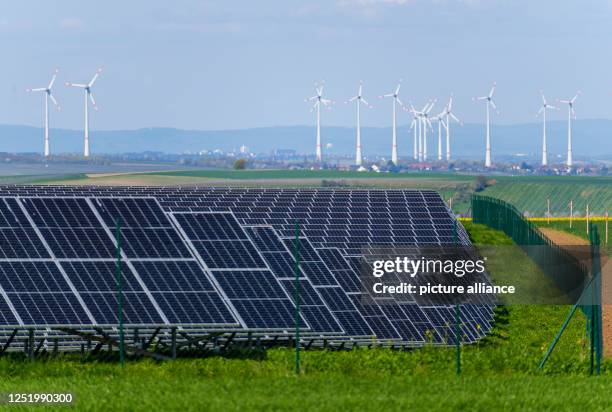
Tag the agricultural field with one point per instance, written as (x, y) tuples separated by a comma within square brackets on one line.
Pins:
[(528, 193), (499, 372)]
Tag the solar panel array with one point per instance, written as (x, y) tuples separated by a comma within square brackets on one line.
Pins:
[(219, 259)]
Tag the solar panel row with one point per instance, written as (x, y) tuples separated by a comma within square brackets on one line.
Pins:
[(226, 254)]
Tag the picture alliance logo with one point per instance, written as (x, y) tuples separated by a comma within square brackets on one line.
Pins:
[(413, 267)]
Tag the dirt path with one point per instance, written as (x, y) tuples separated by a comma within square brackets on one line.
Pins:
[(566, 239)]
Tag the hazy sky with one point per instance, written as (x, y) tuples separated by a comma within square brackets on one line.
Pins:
[(226, 64)]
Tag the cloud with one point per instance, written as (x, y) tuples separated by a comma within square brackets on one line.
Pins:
[(70, 23)]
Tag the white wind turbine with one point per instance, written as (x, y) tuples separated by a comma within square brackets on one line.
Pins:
[(48, 95), (488, 102), (414, 126), (426, 124), (88, 96), (545, 106), (421, 126), (318, 101), (360, 100), (448, 112), (395, 96), (439, 118), (570, 112)]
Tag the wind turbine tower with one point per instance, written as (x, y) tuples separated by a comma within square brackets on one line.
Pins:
[(449, 115), (48, 95), (426, 124), (88, 97), (488, 102), (570, 112), (439, 118), (318, 101), (360, 100), (396, 100), (545, 106)]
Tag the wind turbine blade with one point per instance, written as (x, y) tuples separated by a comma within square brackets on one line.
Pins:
[(431, 105), (93, 80), (399, 101), (352, 99), (548, 106), (398, 88), (360, 89), (573, 112), (454, 117), (52, 80), (387, 95), (80, 85), (575, 97), (449, 107), (93, 101), (492, 103), (52, 99), (364, 101), (540, 111), (38, 89), (492, 90), (481, 98)]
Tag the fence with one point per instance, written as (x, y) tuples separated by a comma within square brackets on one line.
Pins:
[(581, 282)]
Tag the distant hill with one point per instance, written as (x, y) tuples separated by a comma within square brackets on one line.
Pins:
[(592, 139)]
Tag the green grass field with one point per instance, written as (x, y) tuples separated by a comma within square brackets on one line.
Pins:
[(500, 372), (527, 193)]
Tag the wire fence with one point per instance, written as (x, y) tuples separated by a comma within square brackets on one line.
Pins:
[(566, 270)]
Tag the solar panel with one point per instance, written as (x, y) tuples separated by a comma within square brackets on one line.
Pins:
[(239, 269), (314, 309), (182, 268)]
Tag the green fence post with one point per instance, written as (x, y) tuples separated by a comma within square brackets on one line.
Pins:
[(297, 296), (457, 313), (120, 292)]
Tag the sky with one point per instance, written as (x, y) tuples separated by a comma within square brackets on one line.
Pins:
[(219, 64)]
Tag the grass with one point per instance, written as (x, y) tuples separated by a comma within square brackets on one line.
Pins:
[(499, 372), (308, 174), (529, 194)]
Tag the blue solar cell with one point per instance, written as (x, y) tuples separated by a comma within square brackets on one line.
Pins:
[(99, 276), (21, 243), (49, 308), (184, 308), (243, 284), (137, 308), (31, 277), (136, 212), (173, 276), (228, 254)]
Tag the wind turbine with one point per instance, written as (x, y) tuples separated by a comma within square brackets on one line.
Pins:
[(570, 112), (88, 96), (395, 96), (439, 118), (48, 95), (545, 106), (426, 123), (360, 100), (488, 102), (318, 101), (449, 115)]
